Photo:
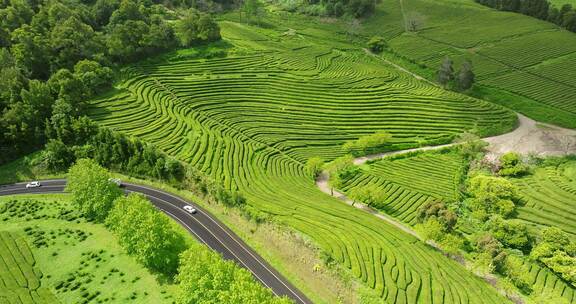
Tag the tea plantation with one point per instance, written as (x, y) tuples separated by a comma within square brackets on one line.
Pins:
[(549, 196), (410, 182), (50, 254), (252, 119), (529, 58)]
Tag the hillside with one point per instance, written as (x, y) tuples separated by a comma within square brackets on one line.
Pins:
[(251, 120), (510, 53)]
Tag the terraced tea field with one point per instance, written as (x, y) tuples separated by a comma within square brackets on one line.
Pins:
[(549, 195), (530, 58), (412, 181), (19, 277), (252, 120)]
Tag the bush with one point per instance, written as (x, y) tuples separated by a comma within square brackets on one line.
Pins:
[(511, 165), (492, 195), (377, 44)]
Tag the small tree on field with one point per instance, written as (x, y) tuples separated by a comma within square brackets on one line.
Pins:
[(353, 26), (314, 165), (414, 21), (377, 44), (446, 72), (466, 76), (340, 170)]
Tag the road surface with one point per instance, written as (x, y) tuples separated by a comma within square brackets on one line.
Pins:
[(201, 225)]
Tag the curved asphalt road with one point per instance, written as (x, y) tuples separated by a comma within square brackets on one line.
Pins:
[(202, 225)]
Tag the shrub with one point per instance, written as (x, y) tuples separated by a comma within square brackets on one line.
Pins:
[(377, 44), (511, 165)]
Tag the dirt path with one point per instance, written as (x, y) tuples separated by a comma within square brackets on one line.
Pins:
[(528, 137), (322, 183)]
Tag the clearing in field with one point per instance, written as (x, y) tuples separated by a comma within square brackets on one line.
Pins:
[(50, 254), (253, 118)]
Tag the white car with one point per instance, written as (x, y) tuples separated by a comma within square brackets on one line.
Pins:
[(34, 184), (189, 209), (115, 181)]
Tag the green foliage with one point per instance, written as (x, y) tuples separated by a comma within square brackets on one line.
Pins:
[(146, 233), (518, 273), (492, 195), (340, 170), (195, 27), (368, 143), (511, 233), (446, 73), (511, 164), (431, 229), (370, 195), (557, 252), (92, 193), (314, 165), (465, 76), (377, 44), (204, 277), (440, 212)]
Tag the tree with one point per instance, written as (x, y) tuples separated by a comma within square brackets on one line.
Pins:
[(446, 72), (74, 41), (205, 278), (341, 169), (93, 76), (511, 165), (92, 192), (146, 233), (253, 8), (492, 195), (414, 21), (511, 233), (353, 27), (195, 27), (466, 76), (440, 212), (377, 44), (314, 165), (470, 144), (57, 156), (368, 143), (370, 195)]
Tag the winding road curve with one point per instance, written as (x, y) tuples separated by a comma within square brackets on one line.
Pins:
[(201, 225)]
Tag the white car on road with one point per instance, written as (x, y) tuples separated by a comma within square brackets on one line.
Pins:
[(34, 184), (189, 209)]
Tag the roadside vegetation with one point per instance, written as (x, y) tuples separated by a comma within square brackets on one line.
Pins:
[(148, 236)]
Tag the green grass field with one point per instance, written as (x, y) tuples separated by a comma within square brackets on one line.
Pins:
[(251, 120), (52, 255), (510, 52), (549, 195), (413, 181)]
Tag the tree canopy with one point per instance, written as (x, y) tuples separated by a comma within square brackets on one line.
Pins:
[(91, 190)]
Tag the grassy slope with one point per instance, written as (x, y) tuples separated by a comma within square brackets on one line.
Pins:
[(520, 62), (252, 121), (65, 252)]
